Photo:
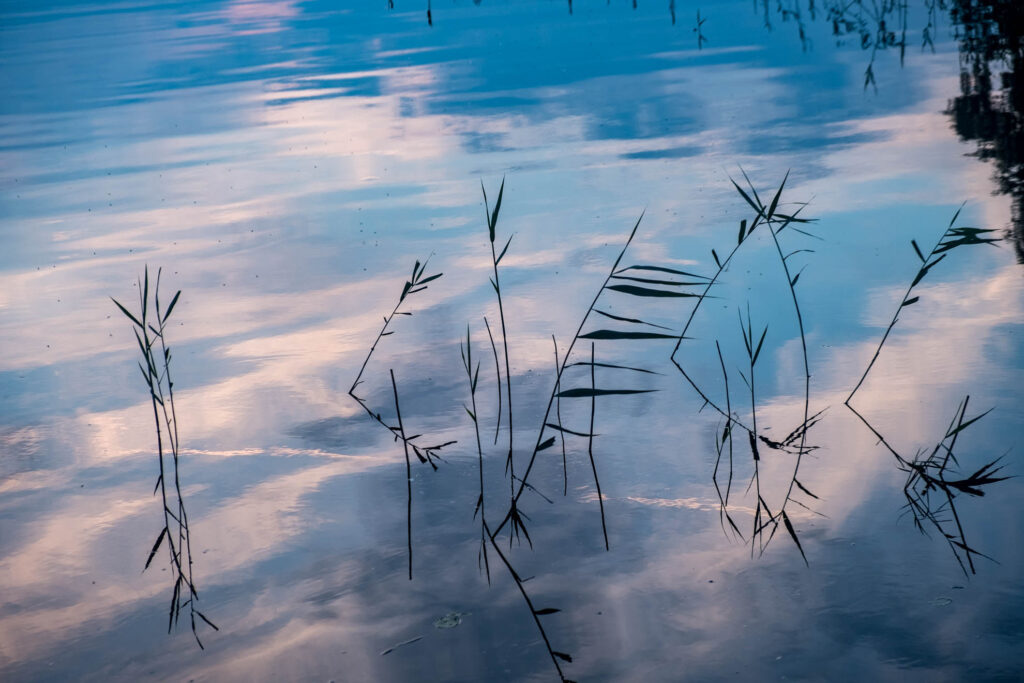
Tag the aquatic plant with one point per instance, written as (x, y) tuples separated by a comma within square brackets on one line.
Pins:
[(622, 281), (514, 516), (795, 443), (430, 455), (950, 239), (935, 474), (492, 222), (698, 27), (927, 473), (487, 537), (615, 281), (155, 367)]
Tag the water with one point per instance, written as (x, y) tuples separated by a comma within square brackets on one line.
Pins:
[(286, 163)]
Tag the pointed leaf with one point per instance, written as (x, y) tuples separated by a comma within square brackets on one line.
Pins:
[(745, 196), (778, 194), (647, 291), (616, 334), (497, 208), (662, 269), (502, 254), (170, 307), (759, 345), (652, 281), (917, 250), (612, 365), (203, 617), (792, 533), (964, 425), (588, 392), (156, 546), (804, 489), (125, 311), (629, 320), (145, 294), (567, 430), (429, 279)]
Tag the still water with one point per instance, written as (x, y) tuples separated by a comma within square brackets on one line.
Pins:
[(287, 162)]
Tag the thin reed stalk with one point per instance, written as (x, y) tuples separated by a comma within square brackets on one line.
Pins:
[(791, 282), (414, 285), (558, 418), (492, 223), (590, 444), (473, 375), (753, 352), (950, 239), (408, 470), (555, 655), (156, 372), (727, 437), (497, 372)]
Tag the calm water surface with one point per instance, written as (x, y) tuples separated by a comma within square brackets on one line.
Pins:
[(287, 162)]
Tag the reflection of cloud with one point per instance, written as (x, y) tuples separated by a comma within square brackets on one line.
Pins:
[(19, 441), (213, 313), (70, 543), (883, 169), (306, 154)]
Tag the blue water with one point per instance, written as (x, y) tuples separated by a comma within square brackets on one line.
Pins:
[(285, 163)]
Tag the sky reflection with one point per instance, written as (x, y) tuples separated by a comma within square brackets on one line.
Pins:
[(287, 162)]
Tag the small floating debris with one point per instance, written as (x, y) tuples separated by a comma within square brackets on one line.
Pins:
[(450, 620), (404, 642)]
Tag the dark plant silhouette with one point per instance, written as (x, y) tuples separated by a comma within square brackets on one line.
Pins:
[(430, 455), (155, 367), (930, 492), (766, 521)]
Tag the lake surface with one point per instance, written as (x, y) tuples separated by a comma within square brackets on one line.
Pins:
[(287, 162)]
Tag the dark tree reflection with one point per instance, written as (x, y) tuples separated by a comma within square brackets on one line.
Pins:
[(990, 107)]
